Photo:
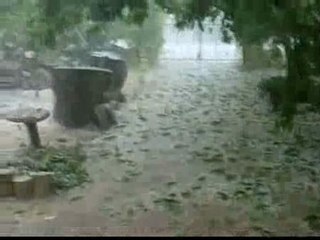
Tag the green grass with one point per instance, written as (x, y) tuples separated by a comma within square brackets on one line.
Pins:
[(67, 164)]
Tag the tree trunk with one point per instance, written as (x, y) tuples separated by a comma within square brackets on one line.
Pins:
[(50, 10), (199, 56), (254, 56), (244, 54), (297, 84)]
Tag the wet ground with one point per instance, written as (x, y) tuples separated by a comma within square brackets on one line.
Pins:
[(191, 134)]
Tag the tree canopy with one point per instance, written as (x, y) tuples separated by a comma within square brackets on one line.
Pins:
[(53, 17), (295, 24)]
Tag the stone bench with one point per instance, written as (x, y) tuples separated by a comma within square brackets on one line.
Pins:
[(30, 117)]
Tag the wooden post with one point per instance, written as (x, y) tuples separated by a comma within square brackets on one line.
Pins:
[(42, 184), (23, 187), (6, 188)]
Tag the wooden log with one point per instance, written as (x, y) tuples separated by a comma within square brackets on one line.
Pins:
[(23, 187), (42, 187), (6, 189), (6, 174)]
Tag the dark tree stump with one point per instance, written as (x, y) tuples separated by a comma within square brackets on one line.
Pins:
[(78, 91), (29, 117), (115, 63)]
